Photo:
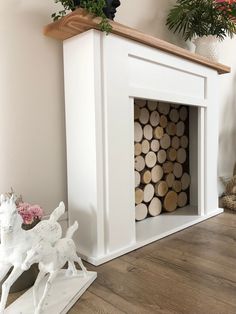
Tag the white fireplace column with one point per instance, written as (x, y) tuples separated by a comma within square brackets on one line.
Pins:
[(103, 75)]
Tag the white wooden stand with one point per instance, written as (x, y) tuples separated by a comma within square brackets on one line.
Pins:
[(63, 295), (103, 76)]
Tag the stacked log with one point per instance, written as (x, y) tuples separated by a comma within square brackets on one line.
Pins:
[(161, 145)]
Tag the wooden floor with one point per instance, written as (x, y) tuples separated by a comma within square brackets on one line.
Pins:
[(190, 272)]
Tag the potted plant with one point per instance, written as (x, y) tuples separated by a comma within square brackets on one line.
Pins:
[(106, 9), (206, 22)]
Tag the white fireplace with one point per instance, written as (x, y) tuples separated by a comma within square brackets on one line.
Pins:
[(103, 76)]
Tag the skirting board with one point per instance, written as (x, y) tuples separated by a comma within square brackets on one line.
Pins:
[(187, 221), (63, 295)]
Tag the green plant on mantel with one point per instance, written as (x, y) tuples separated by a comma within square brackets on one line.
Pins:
[(92, 6), (198, 18)]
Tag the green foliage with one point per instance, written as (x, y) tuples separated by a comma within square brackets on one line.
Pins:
[(92, 6), (96, 7), (201, 18)]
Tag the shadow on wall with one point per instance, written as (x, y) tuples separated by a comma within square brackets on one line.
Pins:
[(227, 136)]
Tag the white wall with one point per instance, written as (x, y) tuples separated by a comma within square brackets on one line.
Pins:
[(32, 127)]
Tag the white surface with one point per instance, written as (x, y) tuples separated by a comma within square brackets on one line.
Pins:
[(100, 91), (84, 129), (149, 230), (64, 294)]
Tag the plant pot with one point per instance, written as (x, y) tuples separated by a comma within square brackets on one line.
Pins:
[(109, 10), (25, 281), (207, 46)]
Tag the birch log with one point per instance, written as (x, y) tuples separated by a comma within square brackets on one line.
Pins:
[(171, 128), (163, 108), (141, 212), (137, 178), (139, 194), (150, 159), (155, 207), (165, 141), (145, 147), (170, 178), (161, 188), (171, 154), (185, 180), (163, 121), (168, 167), (138, 132), (148, 193), (174, 115), (139, 163), (177, 186), (137, 149), (144, 116), (136, 112), (156, 173), (146, 177), (180, 128), (152, 105), (181, 155), (183, 113), (182, 199), (175, 106), (148, 132), (140, 102), (158, 132), (178, 170), (170, 201), (155, 146), (184, 141), (175, 143), (161, 156), (154, 118)]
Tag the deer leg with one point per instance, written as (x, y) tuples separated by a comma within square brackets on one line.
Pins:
[(15, 274), (47, 288), (4, 269), (39, 278), (71, 270), (79, 261)]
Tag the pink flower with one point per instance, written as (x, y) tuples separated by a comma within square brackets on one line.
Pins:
[(29, 213), (23, 207), (37, 211), (27, 217)]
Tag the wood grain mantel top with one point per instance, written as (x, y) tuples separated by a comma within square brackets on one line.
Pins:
[(80, 21)]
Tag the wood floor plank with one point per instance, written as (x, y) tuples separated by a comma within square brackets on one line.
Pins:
[(153, 288), (190, 272), (136, 286), (91, 304)]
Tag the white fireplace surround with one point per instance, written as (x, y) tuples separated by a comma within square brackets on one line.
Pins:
[(103, 75)]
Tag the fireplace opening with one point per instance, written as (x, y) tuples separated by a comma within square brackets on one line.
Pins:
[(165, 159)]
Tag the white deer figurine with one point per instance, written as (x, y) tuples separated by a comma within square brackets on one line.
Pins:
[(15, 242), (51, 259)]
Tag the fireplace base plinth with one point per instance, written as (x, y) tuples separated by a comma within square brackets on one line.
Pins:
[(151, 230)]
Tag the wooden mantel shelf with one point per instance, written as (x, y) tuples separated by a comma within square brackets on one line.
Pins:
[(80, 21)]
